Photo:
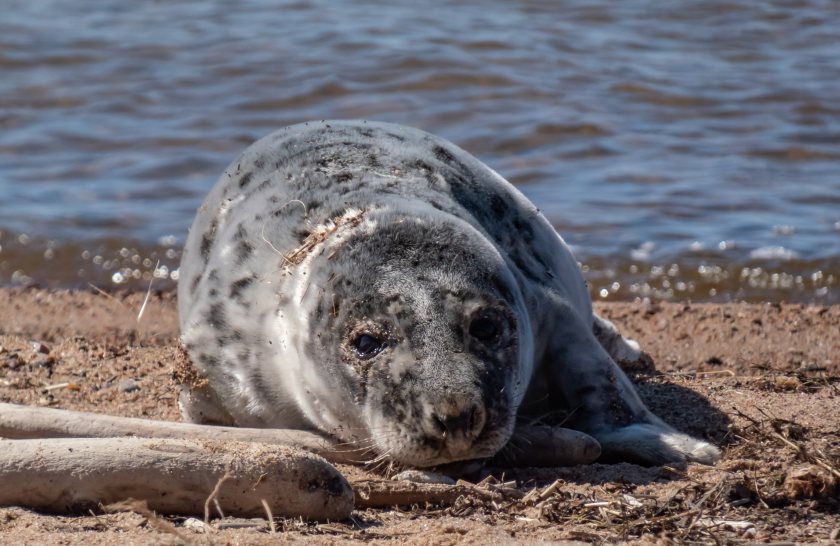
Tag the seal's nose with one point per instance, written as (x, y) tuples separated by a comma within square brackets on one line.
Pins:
[(459, 420)]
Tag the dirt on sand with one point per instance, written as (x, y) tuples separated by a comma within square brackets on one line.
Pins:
[(761, 381)]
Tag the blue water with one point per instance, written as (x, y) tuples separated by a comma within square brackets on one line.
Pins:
[(701, 135)]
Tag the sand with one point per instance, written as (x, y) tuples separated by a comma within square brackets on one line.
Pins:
[(761, 381)]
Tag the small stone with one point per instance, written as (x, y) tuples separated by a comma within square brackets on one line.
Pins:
[(129, 385), (196, 525), (14, 361), (423, 476), (39, 347)]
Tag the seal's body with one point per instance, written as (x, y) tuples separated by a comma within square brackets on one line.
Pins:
[(381, 285)]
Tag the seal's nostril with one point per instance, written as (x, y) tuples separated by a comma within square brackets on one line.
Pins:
[(440, 424), (476, 422), (466, 422)]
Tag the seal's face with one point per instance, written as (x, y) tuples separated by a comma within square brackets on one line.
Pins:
[(434, 360)]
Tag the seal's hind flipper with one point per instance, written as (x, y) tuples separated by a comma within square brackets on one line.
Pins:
[(625, 352), (654, 444), (583, 380)]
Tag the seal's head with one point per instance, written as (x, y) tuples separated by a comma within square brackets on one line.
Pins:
[(421, 325)]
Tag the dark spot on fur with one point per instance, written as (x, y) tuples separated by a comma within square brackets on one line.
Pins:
[(214, 275), (442, 154), (396, 137), (208, 360), (207, 241), (239, 285), (213, 292), (373, 160), (259, 162), (365, 132), (523, 229), (243, 251), (245, 180), (343, 177), (499, 206), (301, 234), (216, 317), (194, 284)]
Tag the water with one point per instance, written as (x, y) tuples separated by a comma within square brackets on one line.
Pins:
[(686, 151)]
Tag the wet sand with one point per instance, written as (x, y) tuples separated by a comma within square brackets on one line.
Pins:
[(760, 380)]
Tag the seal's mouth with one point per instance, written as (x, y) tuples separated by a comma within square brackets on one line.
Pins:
[(407, 446)]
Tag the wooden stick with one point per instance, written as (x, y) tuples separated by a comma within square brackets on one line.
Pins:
[(532, 445), (383, 494), (21, 422), (172, 476)]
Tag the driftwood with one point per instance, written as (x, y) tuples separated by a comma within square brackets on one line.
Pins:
[(21, 422), (383, 494), (172, 476), (63, 461), (534, 445)]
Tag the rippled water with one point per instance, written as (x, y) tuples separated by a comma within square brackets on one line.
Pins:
[(685, 150)]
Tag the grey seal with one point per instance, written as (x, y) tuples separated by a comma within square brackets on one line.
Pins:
[(382, 286)]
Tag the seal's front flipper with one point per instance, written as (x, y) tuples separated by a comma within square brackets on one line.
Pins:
[(584, 381), (548, 446), (200, 404)]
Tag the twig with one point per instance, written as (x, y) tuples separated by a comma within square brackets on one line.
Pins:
[(214, 494), (148, 293), (269, 516)]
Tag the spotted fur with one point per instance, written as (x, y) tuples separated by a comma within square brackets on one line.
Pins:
[(323, 233)]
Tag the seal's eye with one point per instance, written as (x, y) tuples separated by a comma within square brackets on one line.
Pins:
[(484, 329), (368, 346)]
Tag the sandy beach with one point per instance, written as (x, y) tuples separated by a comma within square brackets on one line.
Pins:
[(760, 380)]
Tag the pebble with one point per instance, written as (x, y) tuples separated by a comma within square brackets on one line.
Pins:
[(39, 347), (423, 476), (14, 361), (196, 525), (129, 385)]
